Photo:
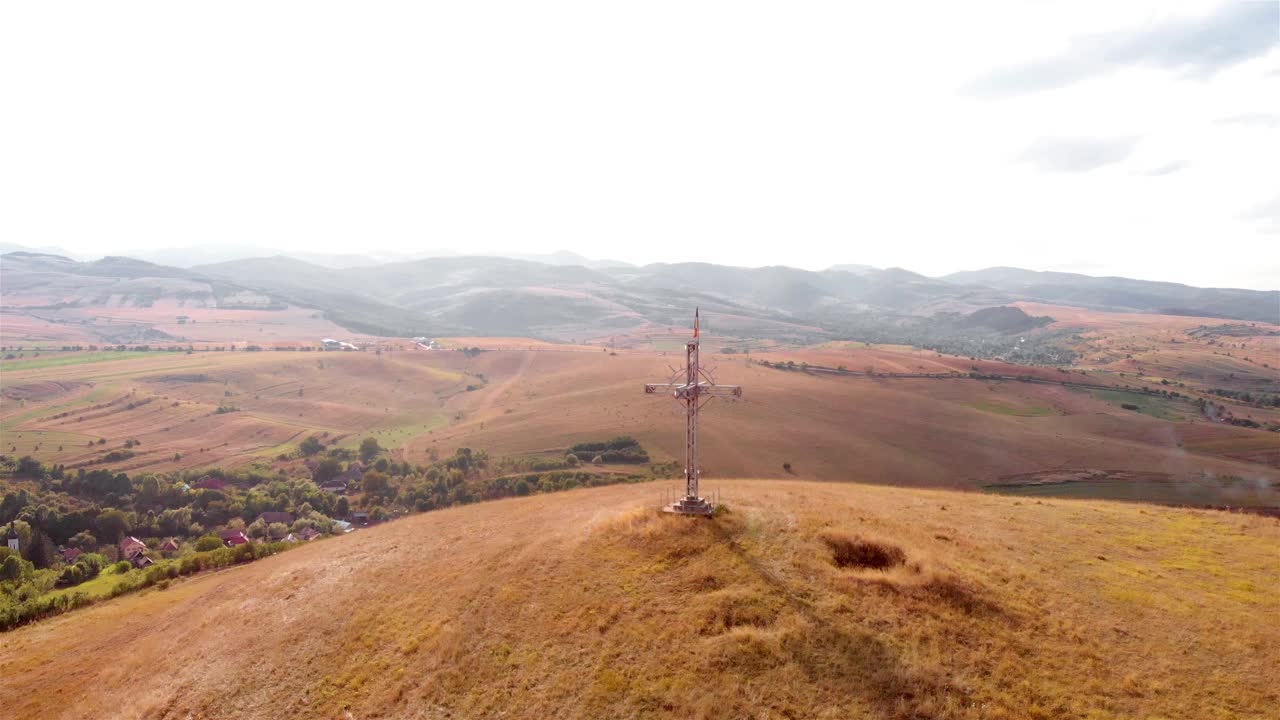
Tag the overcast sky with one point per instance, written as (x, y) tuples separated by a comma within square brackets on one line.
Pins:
[(1138, 139)]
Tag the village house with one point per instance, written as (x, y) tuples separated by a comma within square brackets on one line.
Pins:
[(232, 538), (129, 545), (353, 474), (276, 517), (69, 555), (169, 546), (135, 551), (211, 483)]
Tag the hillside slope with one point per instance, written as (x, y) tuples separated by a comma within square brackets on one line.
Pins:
[(922, 432), (1117, 293), (591, 604)]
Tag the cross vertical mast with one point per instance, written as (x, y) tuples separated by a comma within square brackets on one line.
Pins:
[(697, 388), (691, 412)]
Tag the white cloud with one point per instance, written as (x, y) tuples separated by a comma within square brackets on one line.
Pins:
[(1199, 44), (1078, 154), (746, 133)]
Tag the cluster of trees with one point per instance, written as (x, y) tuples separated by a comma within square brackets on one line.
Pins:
[(1220, 413), (789, 365), (27, 598), (952, 334), (568, 461), (1258, 399), (93, 510), (386, 488), (621, 449)]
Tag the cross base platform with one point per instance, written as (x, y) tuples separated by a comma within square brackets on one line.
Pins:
[(690, 506)]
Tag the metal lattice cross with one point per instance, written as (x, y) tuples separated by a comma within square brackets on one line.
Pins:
[(693, 387)]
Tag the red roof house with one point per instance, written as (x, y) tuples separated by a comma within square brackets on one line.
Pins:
[(131, 546), (233, 538), (135, 551), (211, 483)]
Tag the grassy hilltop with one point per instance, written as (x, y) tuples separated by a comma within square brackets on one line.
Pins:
[(592, 604)]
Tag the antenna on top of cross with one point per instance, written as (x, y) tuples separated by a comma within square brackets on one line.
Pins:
[(693, 387)]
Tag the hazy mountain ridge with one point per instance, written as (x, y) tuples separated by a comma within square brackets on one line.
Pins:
[(483, 295), (1118, 293)]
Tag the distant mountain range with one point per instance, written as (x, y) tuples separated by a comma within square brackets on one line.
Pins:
[(186, 257), (562, 298)]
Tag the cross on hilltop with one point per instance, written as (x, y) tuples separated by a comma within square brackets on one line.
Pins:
[(696, 390)]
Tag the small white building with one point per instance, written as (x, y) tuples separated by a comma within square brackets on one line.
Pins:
[(13, 539)]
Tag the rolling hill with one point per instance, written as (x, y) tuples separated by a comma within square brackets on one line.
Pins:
[(802, 600), (1125, 294), (519, 398)]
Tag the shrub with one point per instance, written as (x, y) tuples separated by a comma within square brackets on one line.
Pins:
[(311, 446), (369, 449), (854, 551), (208, 542), (13, 567), (71, 575)]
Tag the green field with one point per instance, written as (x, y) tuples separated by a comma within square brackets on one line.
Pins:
[(1204, 491), (97, 588), (24, 442), (73, 359), (96, 395), (1161, 408), (669, 344), (1001, 408), (394, 436)]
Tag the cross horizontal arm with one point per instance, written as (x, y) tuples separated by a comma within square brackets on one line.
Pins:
[(703, 389)]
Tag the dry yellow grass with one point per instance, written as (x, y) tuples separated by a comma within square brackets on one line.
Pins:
[(591, 604)]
